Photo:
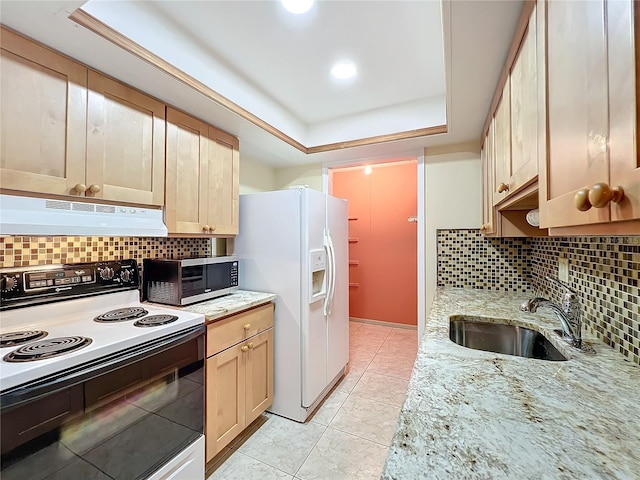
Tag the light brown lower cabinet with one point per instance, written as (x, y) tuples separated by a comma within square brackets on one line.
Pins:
[(239, 375)]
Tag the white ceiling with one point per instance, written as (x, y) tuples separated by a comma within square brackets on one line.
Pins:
[(288, 57), (416, 60)]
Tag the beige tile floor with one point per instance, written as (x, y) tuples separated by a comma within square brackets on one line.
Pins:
[(349, 435)]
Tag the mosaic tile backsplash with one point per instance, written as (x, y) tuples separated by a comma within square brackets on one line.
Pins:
[(605, 271), (25, 251), (468, 260)]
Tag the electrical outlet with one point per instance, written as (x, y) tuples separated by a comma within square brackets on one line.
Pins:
[(563, 270)]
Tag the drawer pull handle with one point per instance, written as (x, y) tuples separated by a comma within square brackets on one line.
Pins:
[(244, 349), (247, 326)]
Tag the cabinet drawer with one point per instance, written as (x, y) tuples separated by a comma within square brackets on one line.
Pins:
[(231, 330)]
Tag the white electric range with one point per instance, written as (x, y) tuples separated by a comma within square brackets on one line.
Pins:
[(110, 374)]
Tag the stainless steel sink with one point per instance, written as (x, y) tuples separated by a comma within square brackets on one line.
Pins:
[(501, 338)]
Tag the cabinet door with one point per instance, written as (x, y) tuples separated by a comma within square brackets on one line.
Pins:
[(125, 143), (44, 103), (187, 154), (623, 19), (489, 225), (577, 108), (225, 398), (502, 145), (259, 375), (223, 183), (524, 111)]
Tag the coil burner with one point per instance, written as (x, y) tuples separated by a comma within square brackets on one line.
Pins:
[(155, 320), (121, 315), (48, 348), (12, 339)]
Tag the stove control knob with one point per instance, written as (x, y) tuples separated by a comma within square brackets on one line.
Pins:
[(8, 284), (125, 275), (106, 273)]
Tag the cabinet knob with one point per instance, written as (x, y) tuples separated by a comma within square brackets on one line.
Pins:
[(601, 194), (206, 228), (503, 187), (79, 189), (247, 326), (93, 188), (244, 348), (250, 345), (483, 228), (212, 228), (581, 200)]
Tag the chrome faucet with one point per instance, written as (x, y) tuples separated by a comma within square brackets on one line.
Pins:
[(568, 314)]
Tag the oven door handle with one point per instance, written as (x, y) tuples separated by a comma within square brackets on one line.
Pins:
[(81, 373)]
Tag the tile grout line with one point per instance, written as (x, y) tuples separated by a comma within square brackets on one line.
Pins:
[(311, 450), (361, 437)]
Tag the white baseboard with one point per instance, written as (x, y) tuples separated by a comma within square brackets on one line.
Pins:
[(383, 324)]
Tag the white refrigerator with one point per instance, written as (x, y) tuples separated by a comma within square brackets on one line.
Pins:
[(294, 243)]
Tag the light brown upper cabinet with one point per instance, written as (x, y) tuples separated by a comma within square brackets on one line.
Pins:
[(44, 108), (202, 177), (516, 120), (502, 146), (125, 143), (524, 111), (592, 84), (489, 214), (187, 161), (623, 19), (224, 183), (67, 130), (514, 135)]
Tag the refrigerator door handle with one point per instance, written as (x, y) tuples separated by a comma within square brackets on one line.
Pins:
[(329, 270), (332, 262)]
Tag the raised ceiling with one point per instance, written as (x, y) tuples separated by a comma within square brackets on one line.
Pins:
[(421, 64)]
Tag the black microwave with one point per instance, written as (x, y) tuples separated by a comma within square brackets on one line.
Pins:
[(189, 280)]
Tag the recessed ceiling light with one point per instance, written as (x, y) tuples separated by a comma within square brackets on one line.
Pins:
[(344, 70), (367, 170), (297, 6)]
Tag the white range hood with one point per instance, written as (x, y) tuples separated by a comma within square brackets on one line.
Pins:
[(42, 216)]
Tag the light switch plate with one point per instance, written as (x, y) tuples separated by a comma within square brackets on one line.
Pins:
[(563, 270)]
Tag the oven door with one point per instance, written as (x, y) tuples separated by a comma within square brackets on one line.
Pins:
[(126, 416)]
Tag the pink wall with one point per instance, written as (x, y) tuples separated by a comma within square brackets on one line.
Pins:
[(383, 243)]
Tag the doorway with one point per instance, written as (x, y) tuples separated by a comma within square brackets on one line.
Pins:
[(383, 236)]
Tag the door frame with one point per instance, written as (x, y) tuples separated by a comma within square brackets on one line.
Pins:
[(421, 283)]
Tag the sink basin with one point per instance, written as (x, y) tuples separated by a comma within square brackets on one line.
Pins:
[(501, 338)]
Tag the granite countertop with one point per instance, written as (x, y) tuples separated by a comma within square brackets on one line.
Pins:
[(229, 304), (482, 415)]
